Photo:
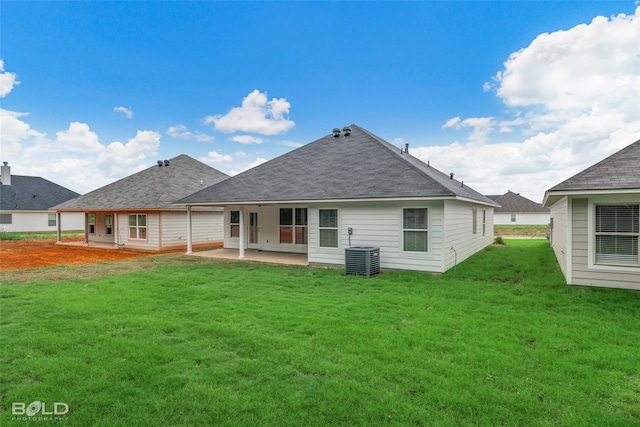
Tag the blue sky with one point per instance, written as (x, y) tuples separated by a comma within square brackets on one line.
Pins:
[(507, 95)]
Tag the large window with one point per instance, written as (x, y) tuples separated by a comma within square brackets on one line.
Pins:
[(108, 223), (138, 227), (617, 231), (301, 226), (92, 223), (328, 228), (293, 225), (51, 220), (286, 225), (484, 222), (234, 221), (415, 229)]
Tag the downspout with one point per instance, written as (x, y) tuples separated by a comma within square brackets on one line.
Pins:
[(455, 261)]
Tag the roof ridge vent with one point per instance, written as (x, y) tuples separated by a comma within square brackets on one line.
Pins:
[(166, 162), (346, 130), (160, 163), (336, 132)]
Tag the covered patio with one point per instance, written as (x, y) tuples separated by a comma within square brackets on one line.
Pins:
[(256, 255)]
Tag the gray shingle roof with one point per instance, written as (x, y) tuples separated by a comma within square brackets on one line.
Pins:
[(153, 188), (358, 166), (621, 170), (511, 202), (32, 193)]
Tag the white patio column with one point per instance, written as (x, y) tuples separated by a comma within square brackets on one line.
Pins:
[(59, 234), (189, 237), (116, 232), (242, 234)]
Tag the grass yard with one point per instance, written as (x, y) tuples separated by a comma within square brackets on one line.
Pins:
[(538, 231), (185, 341)]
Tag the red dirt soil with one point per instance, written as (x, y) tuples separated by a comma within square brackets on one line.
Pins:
[(22, 254)]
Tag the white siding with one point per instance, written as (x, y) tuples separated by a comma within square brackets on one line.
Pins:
[(35, 221), (522, 218), (559, 236), (269, 229), (206, 228), (152, 243), (584, 272), (458, 231), (379, 225)]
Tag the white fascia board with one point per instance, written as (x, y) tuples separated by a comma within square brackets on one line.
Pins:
[(554, 196)]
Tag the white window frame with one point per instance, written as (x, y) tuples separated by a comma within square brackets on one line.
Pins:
[(336, 228), (52, 222), (474, 220), (513, 217), (632, 234), (619, 199), (234, 224), (91, 225), (138, 226), (427, 230), (108, 228)]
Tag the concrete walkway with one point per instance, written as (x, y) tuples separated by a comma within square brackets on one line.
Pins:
[(255, 255)]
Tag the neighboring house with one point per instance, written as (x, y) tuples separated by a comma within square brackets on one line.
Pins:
[(518, 210), (136, 212), (352, 188), (25, 203), (595, 226)]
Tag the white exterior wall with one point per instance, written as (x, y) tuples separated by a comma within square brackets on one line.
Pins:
[(207, 228), (559, 233), (379, 225), (458, 231), (36, 221), (584, 271), (152, 243), (522, 218), (268, 229)]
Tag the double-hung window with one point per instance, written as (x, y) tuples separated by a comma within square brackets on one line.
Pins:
[(91, 220), (328, 228), (234, 222), (293, 225), (108, 224), (138, 226), (51, 220), (617, 231), (415, 229), (474, 220)]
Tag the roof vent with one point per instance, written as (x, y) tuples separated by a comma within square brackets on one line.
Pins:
[(406, 148), (336, 132), (166, 162), (451, 175), (346, 130), (160, 163)]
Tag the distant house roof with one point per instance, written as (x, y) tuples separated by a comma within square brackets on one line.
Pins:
[(358, 166), (511, 202), (620, 171), (154, 188), (32, 193)]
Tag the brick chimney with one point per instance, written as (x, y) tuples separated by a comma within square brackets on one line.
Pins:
[(5, 174)]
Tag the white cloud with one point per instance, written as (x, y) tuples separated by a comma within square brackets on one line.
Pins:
[(78, 138), (256, 115), (572, 99), (128, 112), (291, 144), (181, 132), (246, 139), (7, 80), (258, 161), (215, 157)]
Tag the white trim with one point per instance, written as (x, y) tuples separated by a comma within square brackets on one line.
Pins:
[(612, 192), (137, 226), (402, 230), (337, 228), (334, 201), (568, 255)]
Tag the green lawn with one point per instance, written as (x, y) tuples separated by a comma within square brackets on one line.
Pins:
[(187, 341)]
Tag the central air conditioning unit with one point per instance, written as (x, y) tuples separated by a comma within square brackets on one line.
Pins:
[(362, 261)]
